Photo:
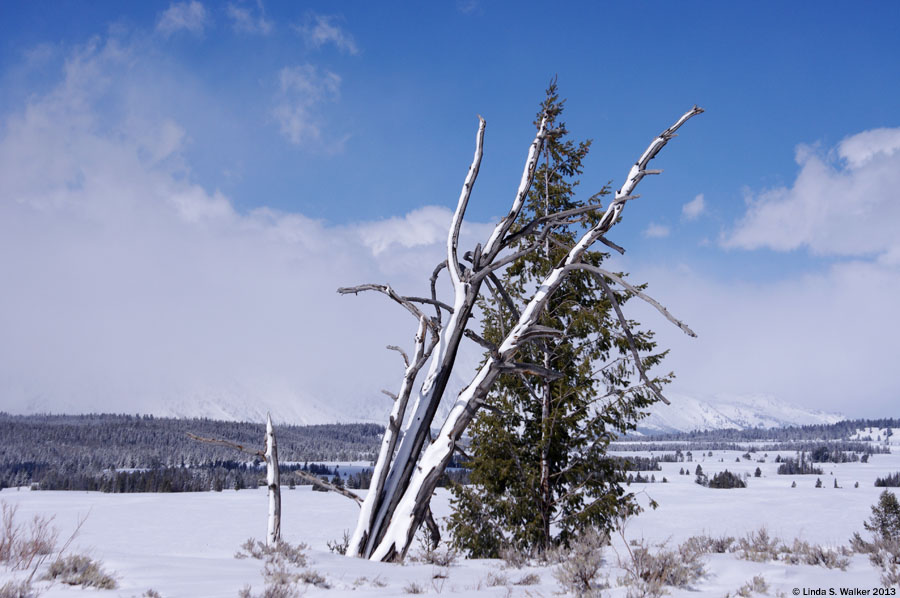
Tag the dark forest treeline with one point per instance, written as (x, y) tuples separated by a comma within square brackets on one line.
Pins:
[(838, 431), (700, 447), (129, 441), (90, 452)]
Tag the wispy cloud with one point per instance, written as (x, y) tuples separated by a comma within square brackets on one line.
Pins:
[(694, 208), (468, 7), (183, 16), (319, 30), (247, 20), (303, 91), (842, 203), (656, 231)]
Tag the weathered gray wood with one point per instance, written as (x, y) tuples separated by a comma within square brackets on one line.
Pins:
[(273, 476), (638, 293), (626, 329), (273, 483), (408, 475)]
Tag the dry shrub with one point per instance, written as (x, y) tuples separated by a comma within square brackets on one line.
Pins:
[(340, 546), (17, 589), (280, 551), (813, 554), (757, 585), (531, 579), (22, 546), (280, 580), (577, 574), (271, 591), (513, 557), (413, 588), (758, 546), (708, 544), (646, 574), (314, 578), (442, 556), (493, 579), (79, 570)]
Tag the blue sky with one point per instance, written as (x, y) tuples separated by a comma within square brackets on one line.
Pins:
[(222, 152)]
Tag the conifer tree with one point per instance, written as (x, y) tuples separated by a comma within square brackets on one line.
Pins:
[(539, 474), (885, 520)]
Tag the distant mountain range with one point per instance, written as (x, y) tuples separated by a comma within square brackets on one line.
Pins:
[(288, 406), (687, 414)]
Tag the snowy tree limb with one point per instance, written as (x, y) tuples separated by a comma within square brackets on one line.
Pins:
[(626, 330), (389, 441), (387, 290), (401, 352), (456, 223), (612, 245), (495, 241), (638, 293)]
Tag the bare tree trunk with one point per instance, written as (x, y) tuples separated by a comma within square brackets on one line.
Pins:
[(273, 481), (546, 498), (273, 477), (546, 431), (405, 478)]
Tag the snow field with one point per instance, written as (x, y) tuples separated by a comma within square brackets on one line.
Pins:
[(183, 545)]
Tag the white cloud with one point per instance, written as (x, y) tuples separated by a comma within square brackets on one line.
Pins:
[(694, 208), (244, 20), (656, 231), (421, 227), (840, 205), (824, 341), (303, 91), (188, 16), (127, 287), (868, 145), (320, 30)]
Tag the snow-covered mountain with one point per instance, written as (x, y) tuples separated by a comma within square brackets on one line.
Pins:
[(687, 414), (234, 401)]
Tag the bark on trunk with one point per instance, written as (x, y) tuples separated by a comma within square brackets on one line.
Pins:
[(273, 480)]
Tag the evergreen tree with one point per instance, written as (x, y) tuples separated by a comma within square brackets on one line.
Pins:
[(885, 520), (539, 472), (726, 479)]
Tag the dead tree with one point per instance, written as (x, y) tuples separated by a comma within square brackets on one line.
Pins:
[(269, 455), (273, 483), (407, 470)]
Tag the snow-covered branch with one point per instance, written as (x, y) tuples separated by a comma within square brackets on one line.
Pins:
[(405, 474), (637, 293)]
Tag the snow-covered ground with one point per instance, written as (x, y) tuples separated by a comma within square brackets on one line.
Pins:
[(183, 545)]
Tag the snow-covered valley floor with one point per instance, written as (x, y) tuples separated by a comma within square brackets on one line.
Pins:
[(183, 545)]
